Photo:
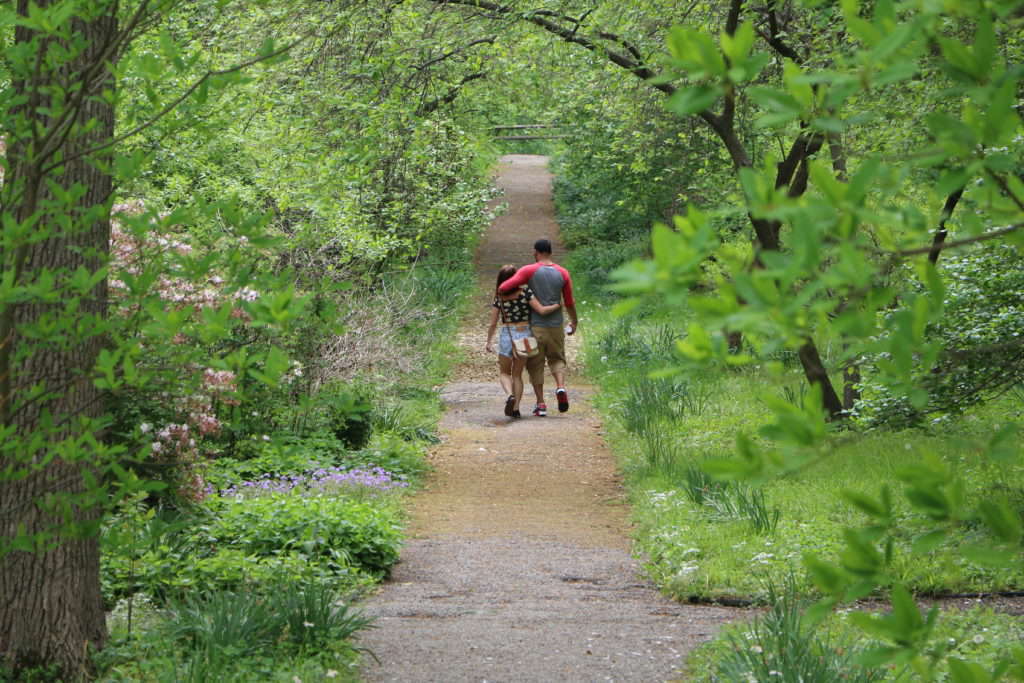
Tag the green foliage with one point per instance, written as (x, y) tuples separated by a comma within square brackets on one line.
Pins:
[(977, 635), (392, 453), (979, 329), (703, 551), (349, 419), (299, 629), (326, 529), (649, 400), (249, 542), (297, 615), (781, 644), (729, 500), (840, 257)]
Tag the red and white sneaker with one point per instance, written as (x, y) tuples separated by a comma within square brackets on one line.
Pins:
[(563, 399), (540, 410)]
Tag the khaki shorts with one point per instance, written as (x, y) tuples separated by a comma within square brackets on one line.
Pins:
[(551, 341)]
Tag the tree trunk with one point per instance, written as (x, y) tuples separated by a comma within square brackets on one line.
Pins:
[(940, 233), (52, 612), (851, 384), (851, 369), (815, 371)]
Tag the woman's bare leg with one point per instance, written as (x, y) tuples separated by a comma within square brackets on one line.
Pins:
[(517, 379), (505, 376)]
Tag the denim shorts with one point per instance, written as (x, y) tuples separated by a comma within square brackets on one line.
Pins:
[(505, 340)]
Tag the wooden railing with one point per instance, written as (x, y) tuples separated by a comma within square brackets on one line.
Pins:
[(530, 126)]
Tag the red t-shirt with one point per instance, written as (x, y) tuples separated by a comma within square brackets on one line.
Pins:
[(524, 274)]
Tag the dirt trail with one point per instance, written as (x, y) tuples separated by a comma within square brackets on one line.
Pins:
[(518, 566)]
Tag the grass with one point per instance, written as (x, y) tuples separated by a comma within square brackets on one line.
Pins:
[(296, 630), (780, 640), (709, 540), (779, 644), (706, 539), (808, 516)]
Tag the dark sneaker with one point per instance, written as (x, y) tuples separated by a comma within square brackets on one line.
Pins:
[(540, 410), (516, 415), (510, 405), (563, 400)]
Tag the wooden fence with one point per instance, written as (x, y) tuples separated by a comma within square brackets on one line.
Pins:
[(529, 127)]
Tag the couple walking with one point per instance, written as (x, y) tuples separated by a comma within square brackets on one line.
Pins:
[(528, 301)]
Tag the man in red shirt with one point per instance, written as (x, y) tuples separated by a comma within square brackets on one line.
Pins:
[(550, 283)]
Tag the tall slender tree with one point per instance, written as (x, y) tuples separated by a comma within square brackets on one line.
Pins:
[(60, 122)]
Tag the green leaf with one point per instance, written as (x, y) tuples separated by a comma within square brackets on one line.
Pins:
[(824, 180), (775, 100), (959, 60), (697, 343), (905, 613), (1001, 519), (896, 73), (860, 556), (819, 611), (860, 28), (876, 657), (967, 672), (797, 85), (984, 45), (828, 124), (827, 577), (865, 504), (925, 543), (695, 52), (1004, 446), (943, 126), (687, 101), (988, 556), (737, 46), (1000, 117)]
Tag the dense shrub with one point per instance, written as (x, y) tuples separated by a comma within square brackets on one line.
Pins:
[(248, 541), (323, 528), (981, 330)]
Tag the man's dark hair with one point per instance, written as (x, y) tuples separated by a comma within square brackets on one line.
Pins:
[(543, 246)]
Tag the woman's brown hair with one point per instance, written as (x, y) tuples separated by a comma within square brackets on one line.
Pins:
[(503, 274)]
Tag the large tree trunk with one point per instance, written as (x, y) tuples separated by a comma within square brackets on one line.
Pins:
[(51, 613)]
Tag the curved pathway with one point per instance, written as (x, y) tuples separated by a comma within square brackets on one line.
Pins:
[(518, 565)]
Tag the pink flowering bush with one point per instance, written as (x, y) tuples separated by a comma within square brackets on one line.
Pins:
[(189, 310)]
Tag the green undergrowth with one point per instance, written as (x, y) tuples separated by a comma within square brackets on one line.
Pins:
[(260, 577), (781, 644), (709, 540)]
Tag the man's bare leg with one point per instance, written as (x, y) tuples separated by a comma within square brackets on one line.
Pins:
[(535, 366)]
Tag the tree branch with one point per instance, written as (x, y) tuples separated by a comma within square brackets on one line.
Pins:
[(177, 101), (774, 35), (732, 21), (940, 233), (449, 97), (984, 237), (628, 60), (452, 53)]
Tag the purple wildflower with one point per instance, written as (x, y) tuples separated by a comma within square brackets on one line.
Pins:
[(321, 480)]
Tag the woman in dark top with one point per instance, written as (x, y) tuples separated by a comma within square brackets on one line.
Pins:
[(513, 310)]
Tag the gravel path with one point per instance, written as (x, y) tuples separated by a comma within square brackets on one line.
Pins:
[(518, 566)]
